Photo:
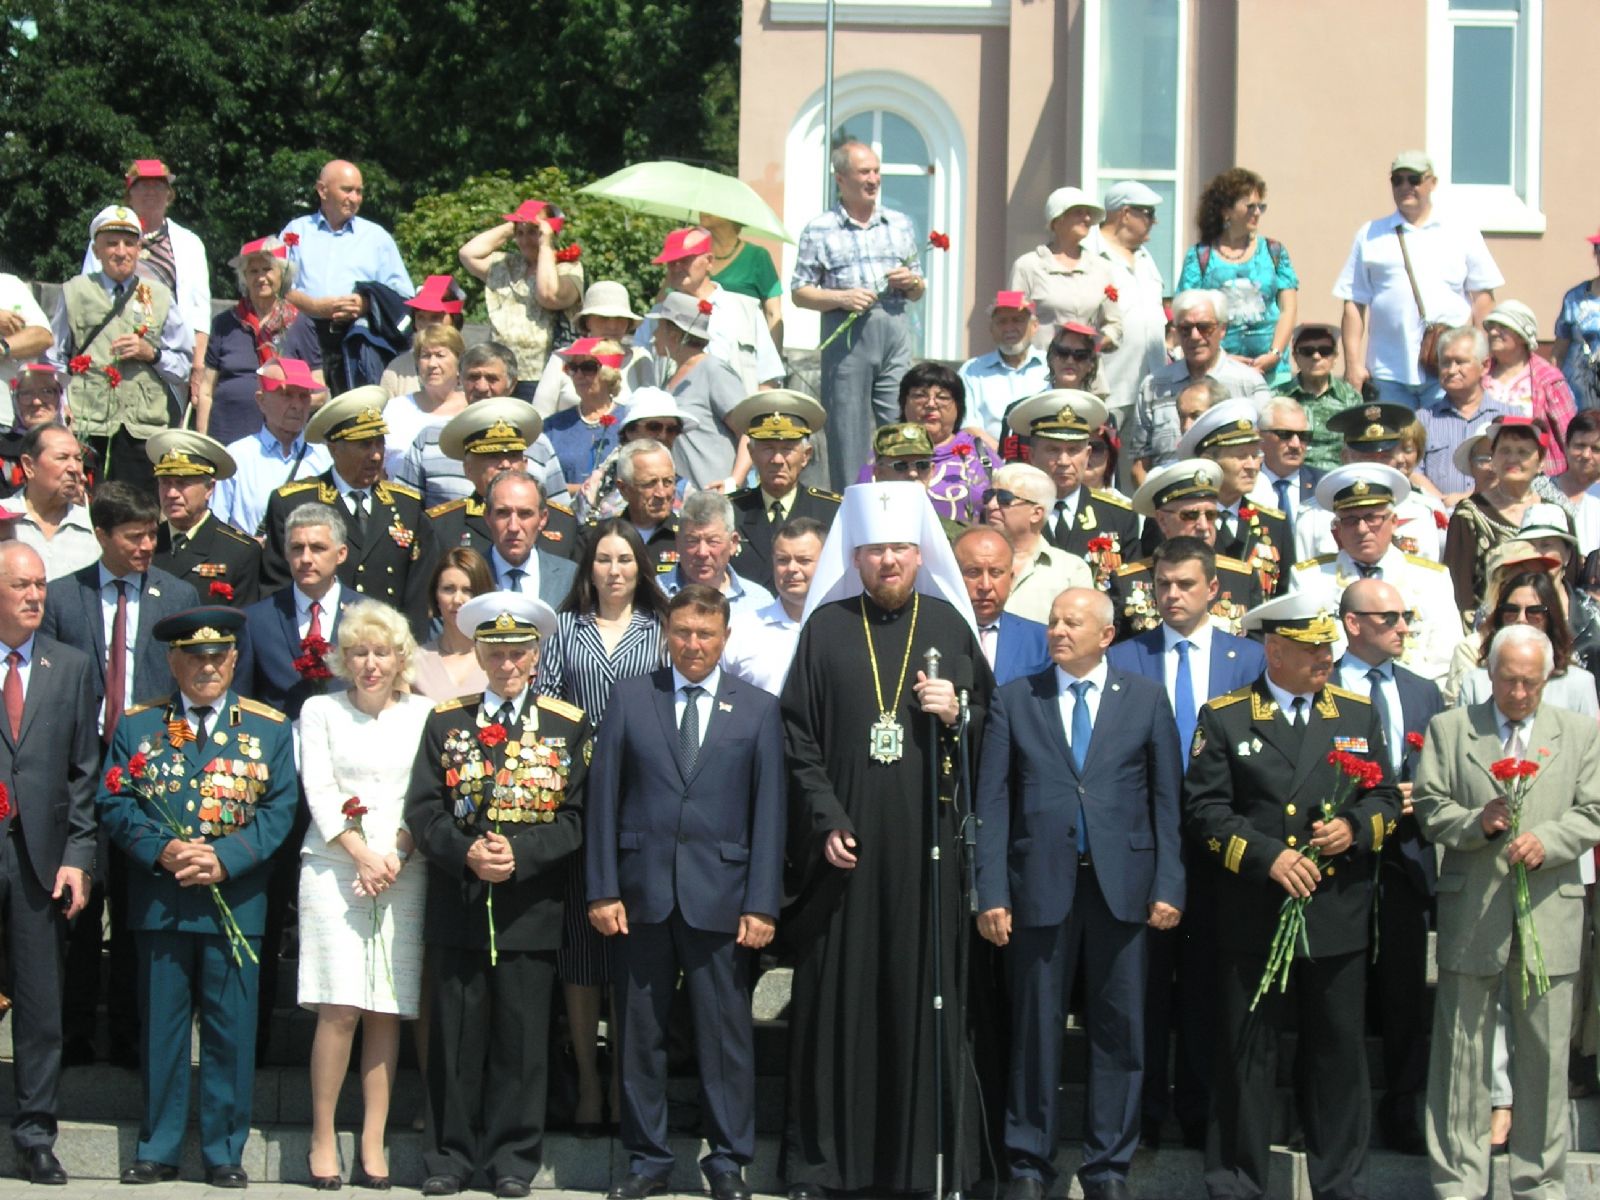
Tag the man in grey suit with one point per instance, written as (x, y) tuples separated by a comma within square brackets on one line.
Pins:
[(49, 763), (514, 510), (1463, 808), (107, 610), (706, 541)]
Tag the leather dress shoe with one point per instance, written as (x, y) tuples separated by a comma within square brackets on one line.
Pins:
[(441, 1185), (229, 1175), (729, 1185), (510, 1186), (637, 1187), (1106, 1189), (40, 1165), (146, 1171), (1025, 1187), (808, 1191)]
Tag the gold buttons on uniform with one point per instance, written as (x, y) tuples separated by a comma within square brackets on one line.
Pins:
[(1292, 843), (1327, 870), (1290, 809)]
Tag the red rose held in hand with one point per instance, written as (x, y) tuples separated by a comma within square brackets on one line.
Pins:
[(291, 239), (354, 809), (705, 306), (570, 253), (492, 735), (113, 376)]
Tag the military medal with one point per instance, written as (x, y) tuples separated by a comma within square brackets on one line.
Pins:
[(887, 738)]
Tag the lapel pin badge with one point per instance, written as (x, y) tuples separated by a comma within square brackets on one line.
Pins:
[(724, 706)]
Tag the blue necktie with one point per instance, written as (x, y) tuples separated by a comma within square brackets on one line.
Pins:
[(1281, 486), (1183, 697), (1081, 732), (1380, 704), (515, 576)]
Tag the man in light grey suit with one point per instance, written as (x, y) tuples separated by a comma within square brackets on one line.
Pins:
[(514, 511), (1463, 808)]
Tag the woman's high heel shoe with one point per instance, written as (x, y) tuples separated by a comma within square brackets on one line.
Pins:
[(322, 1183), (359, 1177)]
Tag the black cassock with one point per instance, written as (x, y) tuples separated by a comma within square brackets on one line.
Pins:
[(861, 1101)]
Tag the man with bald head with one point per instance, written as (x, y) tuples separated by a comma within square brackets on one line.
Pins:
[(332, 249), (1013, 645), (1078, 853), (1376, 621)]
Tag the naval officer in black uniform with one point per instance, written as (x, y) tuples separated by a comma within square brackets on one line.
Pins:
[(222, 564)]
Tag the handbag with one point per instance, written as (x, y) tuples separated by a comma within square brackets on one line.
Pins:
[(1428, 351)]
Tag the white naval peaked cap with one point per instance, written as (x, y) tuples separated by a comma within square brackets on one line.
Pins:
[(880, 513)]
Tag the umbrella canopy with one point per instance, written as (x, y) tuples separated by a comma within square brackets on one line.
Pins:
[(681, 193)]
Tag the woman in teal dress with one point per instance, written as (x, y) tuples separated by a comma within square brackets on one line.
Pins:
[(1253, 272)]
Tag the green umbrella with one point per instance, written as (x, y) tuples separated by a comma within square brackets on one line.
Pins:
[(681, 193)]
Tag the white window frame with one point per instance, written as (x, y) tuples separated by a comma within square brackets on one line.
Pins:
[(1493, 208), (944, 315), (1096, 177)]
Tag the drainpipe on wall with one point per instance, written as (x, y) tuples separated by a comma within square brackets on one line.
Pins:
[(827, 110)]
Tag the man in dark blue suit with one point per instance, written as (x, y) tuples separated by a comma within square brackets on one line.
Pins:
[(684, 857), (1194, 660), (1078, 836), (1374, 618), (1013, 645), (107, 610)]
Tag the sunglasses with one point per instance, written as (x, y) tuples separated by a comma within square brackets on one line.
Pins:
[(1256, 209), (1315, 349), (587, 367), (1004, 498), (1198, 514), (1290, 435), (1075, 353), (1385, 618), (1203, 328), (1523, 610), (1144, 210), (911, 466), (1405, 178), (659, 427)]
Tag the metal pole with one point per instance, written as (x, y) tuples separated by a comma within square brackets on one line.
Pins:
[(930, 667), (827, 109)]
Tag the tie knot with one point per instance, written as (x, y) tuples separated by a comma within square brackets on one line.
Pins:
[(1081, 688), (1376, 676), (14, 659), (692, 691), (316, 608), (505, 715), (203, 712), (1183, 647)]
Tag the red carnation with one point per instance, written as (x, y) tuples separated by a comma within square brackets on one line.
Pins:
[(291, 239), (1414, 740), (607, 420), (1246, 513), (570, 253), (353, 809), (136, 765), (492, 735), (939, 241), (962, 449), (5, 802), (113, 376), (114, 780), (80, 363), (705, 307), (1439, 519), (1111, 293), (1099, 545), (1507, 769), (220, 590)]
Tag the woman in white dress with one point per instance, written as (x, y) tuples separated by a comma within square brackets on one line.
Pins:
[(360, 902)]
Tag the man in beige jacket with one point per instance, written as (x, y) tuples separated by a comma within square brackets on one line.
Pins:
[(1463, 808)]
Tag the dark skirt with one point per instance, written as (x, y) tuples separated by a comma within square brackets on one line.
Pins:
[(584, 957)]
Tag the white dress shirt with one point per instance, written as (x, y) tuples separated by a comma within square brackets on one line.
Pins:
[(108, 617), (25, 666), (504, 566), (302, 612), (492, 701), (1286, 701), (761, 645), (1199, 661), (1097, 686), (216, 707), (1353, 678), (702, 703)]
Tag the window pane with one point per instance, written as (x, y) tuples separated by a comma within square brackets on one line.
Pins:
[(1139, 84), (1482, 107), (857, 129), (911, 194), (1513, 6), (902, 144)]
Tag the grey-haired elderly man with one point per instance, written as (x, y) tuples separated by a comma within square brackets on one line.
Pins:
[(1121, 240), (1491, 828), (1200, 316), (707, 540), (1285, 481)]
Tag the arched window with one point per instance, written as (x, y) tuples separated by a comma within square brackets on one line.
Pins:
[(916, 137)]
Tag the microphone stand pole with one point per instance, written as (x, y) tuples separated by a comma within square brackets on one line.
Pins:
[(930, 668), (966, 822)]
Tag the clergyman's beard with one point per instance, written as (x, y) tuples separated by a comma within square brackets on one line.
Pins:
[(891, 597)]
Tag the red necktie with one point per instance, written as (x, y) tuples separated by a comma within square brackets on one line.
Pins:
[(13, 693), (314, 630), (116, 665)]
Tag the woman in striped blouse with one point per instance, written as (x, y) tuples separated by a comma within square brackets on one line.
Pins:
[(610, 628)]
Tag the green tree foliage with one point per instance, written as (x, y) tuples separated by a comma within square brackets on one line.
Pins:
[(246, 99), (617, 244)]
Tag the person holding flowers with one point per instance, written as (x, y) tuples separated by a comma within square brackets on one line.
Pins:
[(361, 897), (1289, 796), (199, 790), (496, 807), (1510, 787)]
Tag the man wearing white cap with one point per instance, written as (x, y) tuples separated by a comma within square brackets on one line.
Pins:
[(1252, 533), (496, 808), (1014, 369), (1121, 240), (1362, 498), (127, 347), (858, 709)]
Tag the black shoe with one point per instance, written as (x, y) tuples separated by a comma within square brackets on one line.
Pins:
[(1025, 1187), (230, 1175), (1106, 1189), (145, 1171), (359, 1177), (322, 1183), (511, 1187), (40, 1165), (441, 1185), (77, 1052), (637, 1187), (729, 1185), (808, 1191)]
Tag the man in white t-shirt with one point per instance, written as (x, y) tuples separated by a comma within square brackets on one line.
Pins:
[(1121, 240), (1382, 328), (24, 335)]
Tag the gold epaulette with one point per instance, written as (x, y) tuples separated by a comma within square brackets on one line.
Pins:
[(386, 487), (1134, 567), (1319, 561), (1268, 511), (298, 486), (229, 531), (256, 708), (825, 494), (133, 710), (1417, 560), (560, 506), (561, 708), (439, 510), (1110, 498), (452, 705), (1344, 695), (1232, 697), (1234, 564)]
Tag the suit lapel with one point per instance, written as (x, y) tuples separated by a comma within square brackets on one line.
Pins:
[(1049, 700), (669, 721), (147, 614), (721, 716), (1315, 734), (1485, 748), (89, 590), (1111, 706), (41, 677), (1271, 727), (284, 605)]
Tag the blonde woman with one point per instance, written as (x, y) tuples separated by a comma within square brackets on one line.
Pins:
[(361, 899)]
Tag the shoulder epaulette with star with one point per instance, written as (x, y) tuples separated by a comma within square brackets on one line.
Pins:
[(298, 486), (561, 708), (1345, 695), (825, 494), (1110, 498), (228, 531), (1134, 568), (439, 510), (1232, 697), (451, 705), (387, 486), (1417, 560), (560, 506), (259, 709), (1320, 560)]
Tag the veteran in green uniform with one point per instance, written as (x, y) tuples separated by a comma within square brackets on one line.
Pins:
[(1259, 775), (1180, 500), (780, 425), (223, 564), (199, 791), (496, 807)]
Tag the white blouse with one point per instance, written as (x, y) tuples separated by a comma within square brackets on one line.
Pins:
[(346, 753)]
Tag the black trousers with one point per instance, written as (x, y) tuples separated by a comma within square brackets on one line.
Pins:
[(84, 943), (127, 461), (35, 933), (1326, 1001), (488, 1062), (1401, 1002)]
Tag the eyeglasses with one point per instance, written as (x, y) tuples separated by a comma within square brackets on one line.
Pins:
[(587, 367), (1004, 498), (1315, 349), (1197, 514), (1290, 435), (1144, 210), (1407, 178), (1386, 619), (660, 427), (940, 397), (1523, 610), (1075, 353), (1256, 209), (1364, 520), (1203, 328), (911, 466), (1482, 460)]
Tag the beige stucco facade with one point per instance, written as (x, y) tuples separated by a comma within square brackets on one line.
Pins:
[(1315, 95)]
